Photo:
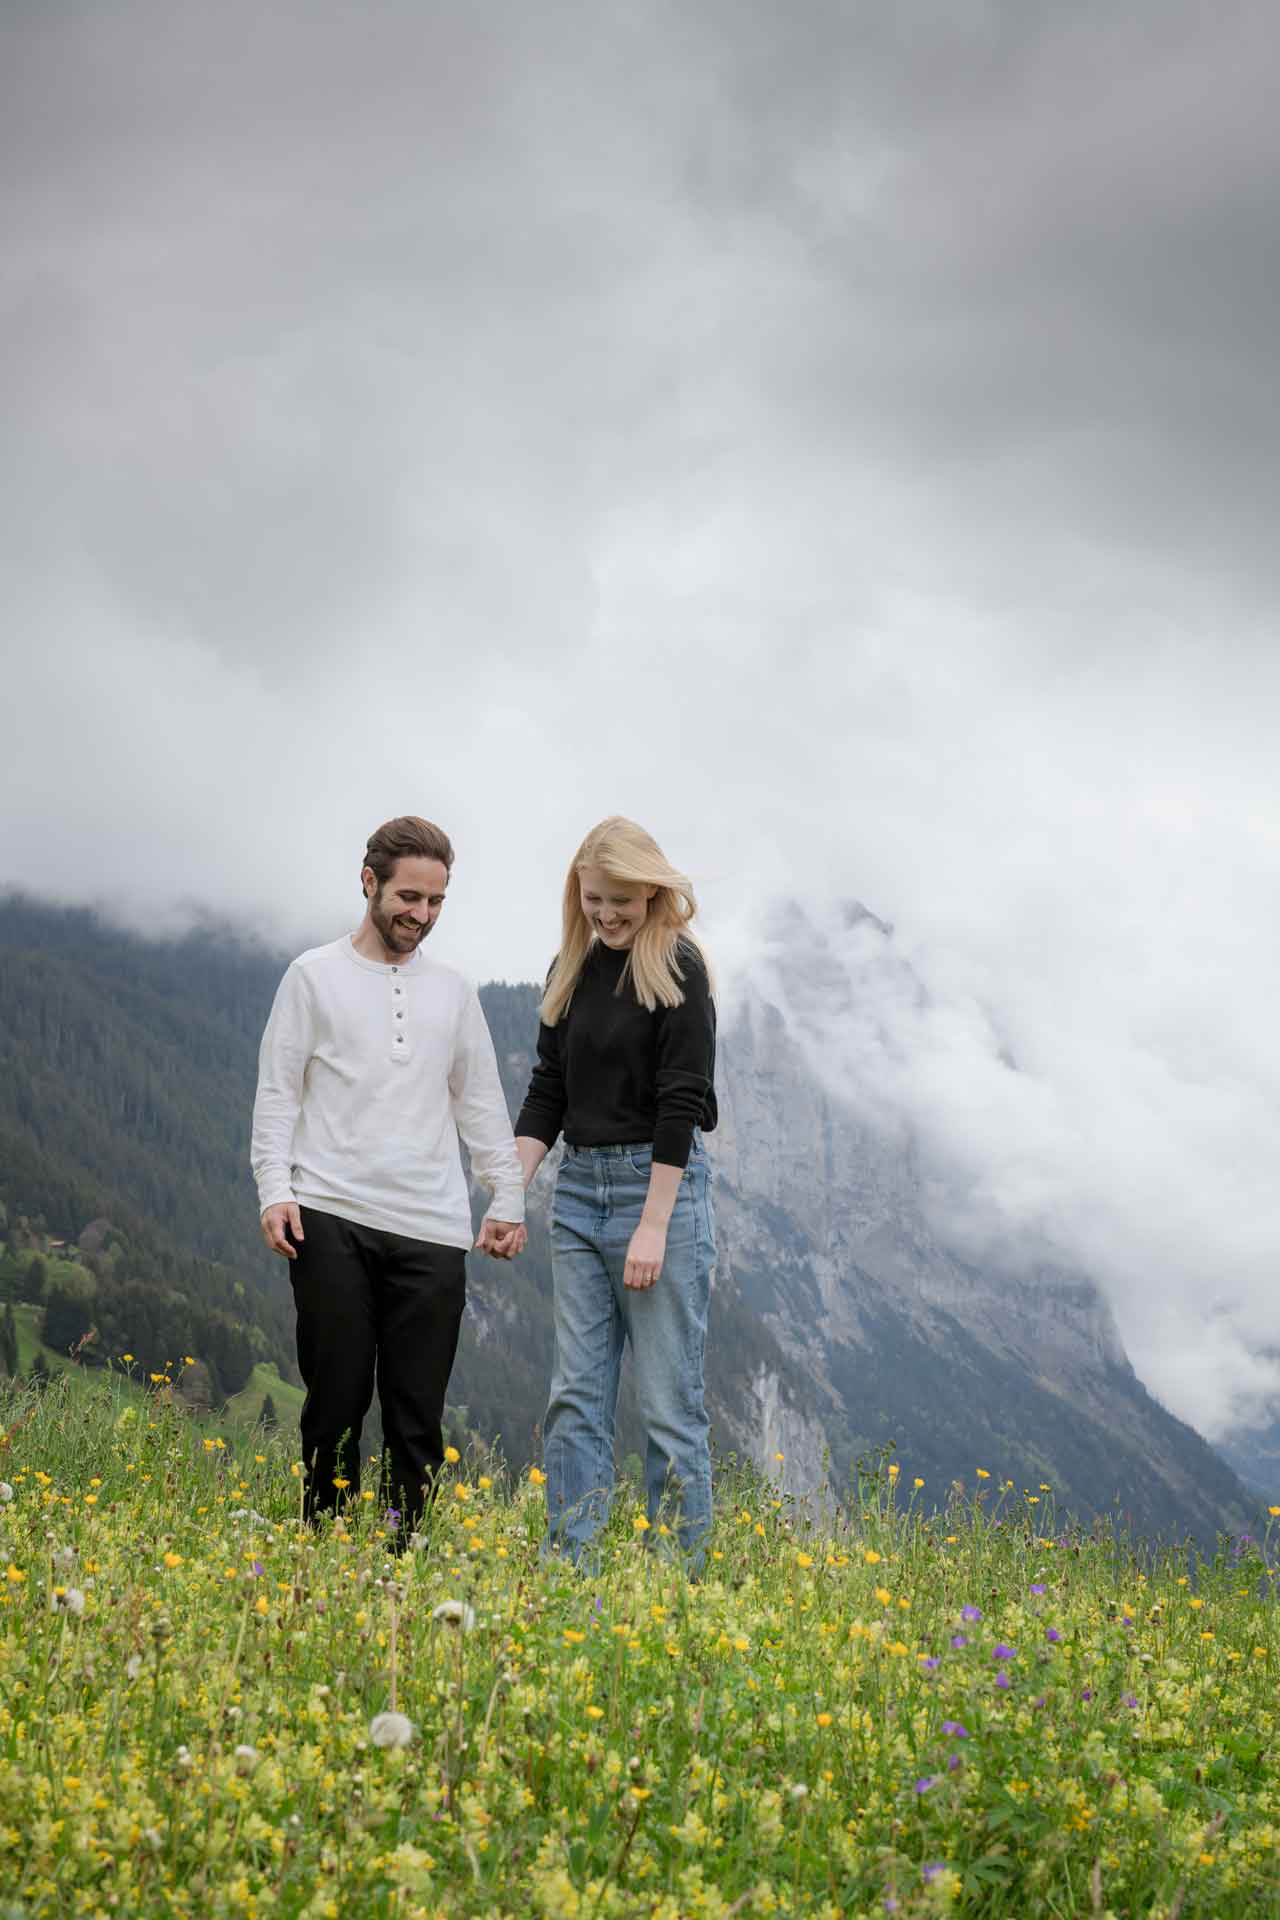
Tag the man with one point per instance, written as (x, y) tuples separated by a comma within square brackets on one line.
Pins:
[(374, 1060)]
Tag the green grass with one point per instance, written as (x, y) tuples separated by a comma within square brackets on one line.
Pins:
[(27, 1320), (242, 1411), (978, 1715), (245, 1407)]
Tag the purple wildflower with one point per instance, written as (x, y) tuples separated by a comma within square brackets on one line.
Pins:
[(1038, 1702), (925, 1782), (1131, 1699), (1051, 1633), (257, 1566), (1002, 1679), (1086, 1693), (393, 1516), (953, 1761), (971, 1613), (932, 1868), (1037, 1589), (1001, 1652), (930, 1662), (958, 1640), (891, 1904), (956, 1729), (1127, 1620)]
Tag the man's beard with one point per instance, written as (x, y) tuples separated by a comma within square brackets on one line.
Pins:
[(396, 936)]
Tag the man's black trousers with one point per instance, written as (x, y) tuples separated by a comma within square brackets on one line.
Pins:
[(374, 1306)]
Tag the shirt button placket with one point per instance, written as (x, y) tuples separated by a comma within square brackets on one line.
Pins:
[(399, 1037)]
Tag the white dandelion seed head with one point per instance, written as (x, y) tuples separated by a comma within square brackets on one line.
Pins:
[(182, 1758), (67, 1600), (64, 1559), (390, 1730), (455, 1613), (246, 1758), (799, 1791), (133, 1666), (6, 1493)]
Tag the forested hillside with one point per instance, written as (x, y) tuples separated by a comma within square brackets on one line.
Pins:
[(125, 1069)]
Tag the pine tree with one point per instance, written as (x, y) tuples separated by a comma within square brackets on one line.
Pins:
[(268, 1418), (8, 1341)]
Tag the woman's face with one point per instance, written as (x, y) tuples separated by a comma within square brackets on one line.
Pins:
[(616, 909)]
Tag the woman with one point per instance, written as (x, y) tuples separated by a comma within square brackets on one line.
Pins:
[(626, 1063)]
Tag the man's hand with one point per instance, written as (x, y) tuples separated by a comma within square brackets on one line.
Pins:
[(286, 1213), (645, 1256), (501, 1239)]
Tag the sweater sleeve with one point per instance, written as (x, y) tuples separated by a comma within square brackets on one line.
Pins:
[(480, 1112), (542, 1115), (686, 1064), (287, 1046)]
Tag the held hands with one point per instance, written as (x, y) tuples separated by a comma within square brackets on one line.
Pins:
[(645, 1256), (501, 1239), (286, 1213)]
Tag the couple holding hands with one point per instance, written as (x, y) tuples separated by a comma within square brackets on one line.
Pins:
[(376, 1060)]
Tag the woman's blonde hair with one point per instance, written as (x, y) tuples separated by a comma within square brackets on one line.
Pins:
[(625, 852)]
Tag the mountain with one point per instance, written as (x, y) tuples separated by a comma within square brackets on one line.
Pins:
[(844, 1322), (831, 1239), (1254, 1453)]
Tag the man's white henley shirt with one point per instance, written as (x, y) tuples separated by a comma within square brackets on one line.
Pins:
[(367, 1076)]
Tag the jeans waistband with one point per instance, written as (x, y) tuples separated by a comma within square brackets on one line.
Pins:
[(622, 1149), (618, 1152)]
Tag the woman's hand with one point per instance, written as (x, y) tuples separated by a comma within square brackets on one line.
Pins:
[(648, 1247), (645, 1255)]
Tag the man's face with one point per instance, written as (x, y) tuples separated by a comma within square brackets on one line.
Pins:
[(406, 907)]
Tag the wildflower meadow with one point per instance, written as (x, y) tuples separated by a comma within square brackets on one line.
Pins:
[(207, 1709)]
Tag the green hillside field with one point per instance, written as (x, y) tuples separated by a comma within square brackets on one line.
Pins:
[(207, 1710)]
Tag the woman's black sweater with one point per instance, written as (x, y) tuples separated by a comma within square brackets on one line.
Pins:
[(610, 1074)]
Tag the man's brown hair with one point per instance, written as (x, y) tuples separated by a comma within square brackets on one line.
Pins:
[(409, 835)]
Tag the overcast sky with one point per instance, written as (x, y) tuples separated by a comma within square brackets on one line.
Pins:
[(844, 437)]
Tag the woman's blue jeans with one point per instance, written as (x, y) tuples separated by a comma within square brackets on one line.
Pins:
[(600, 1193)]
